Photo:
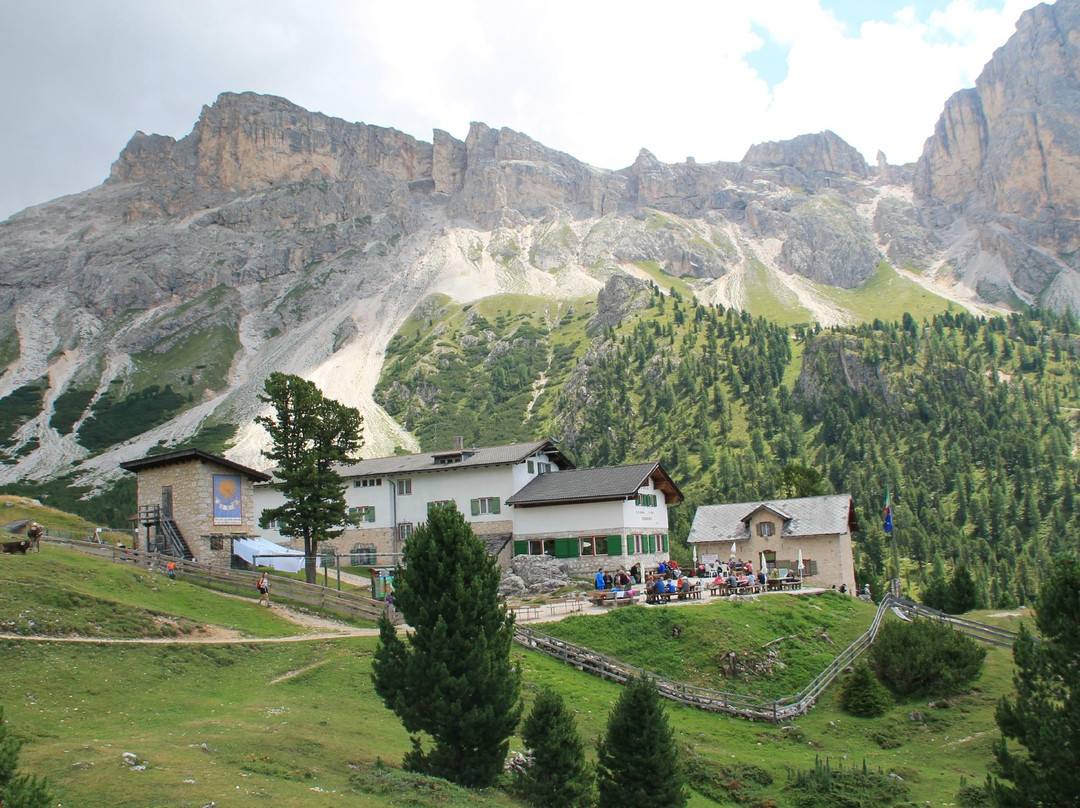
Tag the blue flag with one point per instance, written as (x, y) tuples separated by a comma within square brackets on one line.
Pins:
[(888, 511)]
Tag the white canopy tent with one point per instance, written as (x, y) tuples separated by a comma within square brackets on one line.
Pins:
[(262, 552)]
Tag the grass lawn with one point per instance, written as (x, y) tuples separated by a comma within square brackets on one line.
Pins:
[(804, 634), (299, 724), (62, 592)]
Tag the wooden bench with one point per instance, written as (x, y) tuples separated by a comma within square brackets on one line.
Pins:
[(658, 597), (607, 598)]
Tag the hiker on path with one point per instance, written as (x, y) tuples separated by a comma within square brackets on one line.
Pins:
[(264, 590)]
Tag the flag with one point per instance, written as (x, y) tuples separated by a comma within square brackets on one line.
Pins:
[(888, 511)]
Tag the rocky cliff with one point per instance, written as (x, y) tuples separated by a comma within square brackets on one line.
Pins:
[(1001, 172), (273, 238)]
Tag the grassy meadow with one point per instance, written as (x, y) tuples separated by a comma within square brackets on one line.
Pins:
[(298, 723)]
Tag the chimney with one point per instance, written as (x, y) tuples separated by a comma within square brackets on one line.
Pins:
[(459, 443)]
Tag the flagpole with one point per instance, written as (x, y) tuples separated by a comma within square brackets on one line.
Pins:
[(890, 527)]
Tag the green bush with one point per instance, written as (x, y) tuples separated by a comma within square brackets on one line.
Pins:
[(825, 787), (924, 657), (863, 695)]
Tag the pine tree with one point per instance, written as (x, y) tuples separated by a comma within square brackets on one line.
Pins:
[(1044, 716), (451, 677), (558, 774), (18, 790), (637, 760), (863, 695), (310, 435)]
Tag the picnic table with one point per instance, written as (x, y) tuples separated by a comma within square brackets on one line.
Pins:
[(612, 597), (782, 584)]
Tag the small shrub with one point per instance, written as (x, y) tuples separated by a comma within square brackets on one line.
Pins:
[(738, 783), (825, 787), (863, 695), (923, 657)]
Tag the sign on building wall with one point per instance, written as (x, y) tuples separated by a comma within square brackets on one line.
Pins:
[(227, 504)]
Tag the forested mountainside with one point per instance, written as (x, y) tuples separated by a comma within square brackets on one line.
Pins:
[(969, 422)]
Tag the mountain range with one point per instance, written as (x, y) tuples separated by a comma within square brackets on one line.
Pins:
[(148, 311)]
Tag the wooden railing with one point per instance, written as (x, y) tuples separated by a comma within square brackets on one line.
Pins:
[(345, 604)]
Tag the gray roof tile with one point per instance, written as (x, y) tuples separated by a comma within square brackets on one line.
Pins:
[(587, 485), (809, 516), (426, 461)]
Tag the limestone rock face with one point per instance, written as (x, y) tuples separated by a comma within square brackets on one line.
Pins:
[(276, 238), (1005, 155), (813, 155), (538, 573)]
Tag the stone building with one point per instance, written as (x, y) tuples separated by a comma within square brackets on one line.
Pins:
[(816, 528), (194, 504)]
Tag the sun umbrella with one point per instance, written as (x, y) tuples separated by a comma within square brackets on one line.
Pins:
[(733, 551), (695, 555), (800, 564), (764, 564)]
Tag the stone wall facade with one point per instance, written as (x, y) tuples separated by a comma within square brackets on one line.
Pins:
[(192, 488)]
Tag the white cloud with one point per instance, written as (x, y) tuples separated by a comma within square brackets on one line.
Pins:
[(599, 80)]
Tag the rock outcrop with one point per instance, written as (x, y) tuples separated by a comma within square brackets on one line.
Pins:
[(273, 238), (1004, 159)]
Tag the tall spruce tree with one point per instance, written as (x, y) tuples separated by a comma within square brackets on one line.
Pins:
[(637, 761), (451, 676), (18, 790), (1044, 716), (558, 774), (309, 435)]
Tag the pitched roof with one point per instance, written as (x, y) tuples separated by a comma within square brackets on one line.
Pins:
[(510, 454), (185, 455), (593, 485), (806, 516)]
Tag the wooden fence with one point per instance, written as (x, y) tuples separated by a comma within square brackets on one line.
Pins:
[(782, 709), (346, 604)]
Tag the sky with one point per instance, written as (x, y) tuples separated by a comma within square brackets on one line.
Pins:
[(598, 80)]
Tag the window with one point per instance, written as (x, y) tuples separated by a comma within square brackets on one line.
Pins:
[(362, 555), (637, 543), (543, 468), (367, 483), (404, 530), (485, 505), (217, 542), (404, 487), (542, 546), (272, 524), (531, 467), (365, 513), (766, 529), (646, 500), (593, 545), (438, 503)]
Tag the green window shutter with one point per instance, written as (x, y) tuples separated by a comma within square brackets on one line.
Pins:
[(614, 545), (521, 547), (650, 543), (664, 537), (655, 500), (496, 506), (475, 504), (566, 548)]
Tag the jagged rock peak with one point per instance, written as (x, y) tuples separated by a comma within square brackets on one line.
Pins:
[(247, 141), (825, 151)]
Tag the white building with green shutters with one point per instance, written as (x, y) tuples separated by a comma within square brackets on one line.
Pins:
[(524, 498)]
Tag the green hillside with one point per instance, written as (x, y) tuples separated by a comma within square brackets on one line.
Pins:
[(298, 723), (969, 422)]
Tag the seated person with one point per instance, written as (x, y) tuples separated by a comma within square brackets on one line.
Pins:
[(718, 581), (684, 585), (732, 580), (762, 578), (671, 587), (662, 570)]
